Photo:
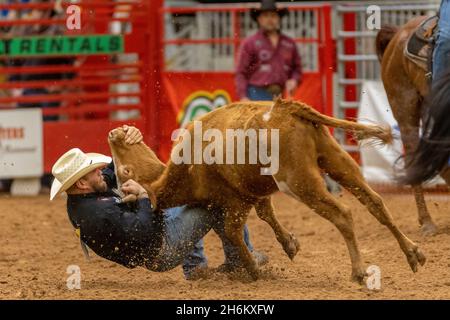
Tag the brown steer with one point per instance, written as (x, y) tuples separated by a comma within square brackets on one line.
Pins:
[(306, 147)]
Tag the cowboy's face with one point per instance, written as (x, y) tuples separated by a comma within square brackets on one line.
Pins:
[(269, 21), (94, 180)]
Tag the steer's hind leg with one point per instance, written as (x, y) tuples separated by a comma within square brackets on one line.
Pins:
[(344, 170), (307, 185), (264, 210)]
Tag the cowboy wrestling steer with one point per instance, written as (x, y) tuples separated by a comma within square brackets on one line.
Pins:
[(306, 149), (140, 163)]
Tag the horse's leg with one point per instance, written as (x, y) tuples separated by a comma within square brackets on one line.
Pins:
[(410, 137), (344, 170), (406, 109), (445, 174), (235, 218), (264, 210), (306, 185)]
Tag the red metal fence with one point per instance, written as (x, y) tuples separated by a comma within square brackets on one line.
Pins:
[(90, 100), (311, 29), (139, 82)]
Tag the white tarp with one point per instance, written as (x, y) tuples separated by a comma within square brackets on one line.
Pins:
[(378, 162), (21, 153)]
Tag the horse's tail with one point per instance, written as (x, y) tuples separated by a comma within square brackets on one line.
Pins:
[(360, 131), (433, 151), (384, 36)]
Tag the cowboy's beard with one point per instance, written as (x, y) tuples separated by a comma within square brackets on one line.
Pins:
[(99, 186)]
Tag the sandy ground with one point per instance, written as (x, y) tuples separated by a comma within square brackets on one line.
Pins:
[(38, 244)]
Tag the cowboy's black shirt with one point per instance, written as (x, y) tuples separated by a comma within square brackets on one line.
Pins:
[(128, 234)]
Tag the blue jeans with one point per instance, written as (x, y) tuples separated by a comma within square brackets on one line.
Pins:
[(441, 56), (258, 94), (183, 242)]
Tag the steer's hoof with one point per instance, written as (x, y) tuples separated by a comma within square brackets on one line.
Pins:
[(416, 257), (421, 257), (291, 247), (428, 229)]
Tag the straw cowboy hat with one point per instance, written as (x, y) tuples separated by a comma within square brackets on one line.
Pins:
[(73, 165), (268, 5)]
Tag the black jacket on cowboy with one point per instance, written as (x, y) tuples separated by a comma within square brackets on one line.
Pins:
[(128, 234)]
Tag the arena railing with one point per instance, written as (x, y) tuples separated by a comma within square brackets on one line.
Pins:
[(200, 49), (104, 90)]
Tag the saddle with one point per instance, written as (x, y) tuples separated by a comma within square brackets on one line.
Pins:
[(420, 45)]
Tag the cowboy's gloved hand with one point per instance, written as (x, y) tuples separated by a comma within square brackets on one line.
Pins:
[(133, 135), (131, 187)]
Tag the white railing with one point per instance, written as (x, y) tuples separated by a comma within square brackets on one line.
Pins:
[(206, 25)]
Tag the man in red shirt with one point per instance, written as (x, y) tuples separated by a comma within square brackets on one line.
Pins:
[(269, 62)]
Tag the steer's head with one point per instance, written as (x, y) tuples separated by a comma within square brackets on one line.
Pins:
[(137, 162)]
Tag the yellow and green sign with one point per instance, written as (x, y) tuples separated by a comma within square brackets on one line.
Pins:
[(61, 45)]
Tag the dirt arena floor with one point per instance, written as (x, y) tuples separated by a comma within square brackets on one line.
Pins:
[(38, 243)]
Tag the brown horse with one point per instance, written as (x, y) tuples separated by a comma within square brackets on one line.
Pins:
[(406, 86)]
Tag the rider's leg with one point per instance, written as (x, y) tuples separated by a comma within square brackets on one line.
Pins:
[(441, 58), (195, 262), (185, 227)]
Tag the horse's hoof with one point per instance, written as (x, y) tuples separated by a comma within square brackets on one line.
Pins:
[(291, 247), (358, 276), (428, 229)]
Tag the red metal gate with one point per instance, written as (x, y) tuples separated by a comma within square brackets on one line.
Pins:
[(139, 80), (218, 31), (103, 91)]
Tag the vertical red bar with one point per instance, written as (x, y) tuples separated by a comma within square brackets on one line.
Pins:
[(153, 65), (350, 67), (99, 27), (350, 48), (321, 56), (329, 58)]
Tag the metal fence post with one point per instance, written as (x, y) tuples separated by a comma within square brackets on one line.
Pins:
[(153, 67)]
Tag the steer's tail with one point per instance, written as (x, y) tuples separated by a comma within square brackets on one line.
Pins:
[(360, 131)]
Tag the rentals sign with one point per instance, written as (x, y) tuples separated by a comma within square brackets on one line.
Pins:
[(61, 45)]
